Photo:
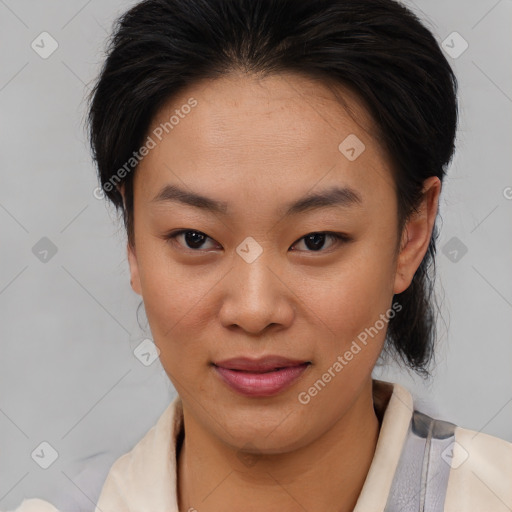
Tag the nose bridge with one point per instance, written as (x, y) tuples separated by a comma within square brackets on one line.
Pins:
[(255, 278), (256, 296)]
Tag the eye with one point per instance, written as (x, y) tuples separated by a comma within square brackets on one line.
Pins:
[(316, 241), (191, 239)]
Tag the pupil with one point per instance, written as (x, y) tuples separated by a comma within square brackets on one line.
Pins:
[(190, 239), (318, 240)]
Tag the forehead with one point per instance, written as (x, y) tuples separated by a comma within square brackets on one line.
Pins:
[(255, 133)]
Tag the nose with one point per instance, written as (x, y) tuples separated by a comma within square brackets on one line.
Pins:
[(257, 297)]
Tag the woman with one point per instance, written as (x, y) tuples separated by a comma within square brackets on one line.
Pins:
[(278, 165)]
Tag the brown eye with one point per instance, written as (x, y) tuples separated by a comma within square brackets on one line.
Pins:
[(190, 239), (315, 242)]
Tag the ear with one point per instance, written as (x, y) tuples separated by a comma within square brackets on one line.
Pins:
[(416, 235), (134, 269), (132, 258)]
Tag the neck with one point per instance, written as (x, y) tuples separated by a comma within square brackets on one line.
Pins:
[(327, 474)]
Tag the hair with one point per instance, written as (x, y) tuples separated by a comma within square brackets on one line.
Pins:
[(378, 48)]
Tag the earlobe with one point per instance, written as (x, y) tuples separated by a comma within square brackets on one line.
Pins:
[(417, 234), (134, 269)]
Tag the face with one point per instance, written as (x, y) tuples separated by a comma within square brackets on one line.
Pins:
[(258, 272)]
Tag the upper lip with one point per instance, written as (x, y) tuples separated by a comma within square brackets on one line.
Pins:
[(258, 365)]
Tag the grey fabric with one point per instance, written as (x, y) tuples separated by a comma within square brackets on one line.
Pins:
[(421, 478)]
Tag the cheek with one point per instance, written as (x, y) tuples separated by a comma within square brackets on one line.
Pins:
[(353, 294), (169, 294)]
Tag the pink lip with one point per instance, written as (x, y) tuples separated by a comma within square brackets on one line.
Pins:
[(260, 377)]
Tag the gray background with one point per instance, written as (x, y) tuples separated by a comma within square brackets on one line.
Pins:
[(68, 374)]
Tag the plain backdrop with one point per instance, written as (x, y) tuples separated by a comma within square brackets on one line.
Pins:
[(69, 376)]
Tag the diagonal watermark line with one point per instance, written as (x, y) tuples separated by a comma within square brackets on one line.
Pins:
[(508, 505), (14, 218), (492, 81), (14, 76), (217, 486), (486, 14), (71, 480), (423, 13), (501, 409), (280, 423), (305, 98), (14, 423), (492, 211), (2, 497), (13, 279), (74, 218), (95, 299), (193, 397), (73, 73), (406, 404), (198, 301), (495, 289), (219, 218), (76, 14), (100, 25), (97, 402), (13, 13), (312, 311), (287, 492), (309, 190)]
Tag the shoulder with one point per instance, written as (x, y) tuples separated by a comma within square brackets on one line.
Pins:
[(480, 472), (35, 505), (443, 466), (144, 478)]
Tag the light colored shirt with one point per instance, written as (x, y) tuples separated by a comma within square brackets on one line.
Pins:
[(419, 464)]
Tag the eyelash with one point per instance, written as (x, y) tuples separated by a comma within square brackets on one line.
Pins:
[(338, 237)]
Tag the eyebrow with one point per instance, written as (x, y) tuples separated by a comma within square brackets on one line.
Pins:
[(331, 197)]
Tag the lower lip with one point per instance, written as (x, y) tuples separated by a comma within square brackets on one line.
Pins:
[(261, 384)]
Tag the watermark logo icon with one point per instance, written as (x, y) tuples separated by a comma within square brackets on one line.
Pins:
[(249, 249), (45, 455), (351, 147), (44, 45), (44, 250), (455, 45), (454, 250), (146, 352), (248, 455), (454, 455)]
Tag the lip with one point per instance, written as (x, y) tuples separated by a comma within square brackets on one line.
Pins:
[(262, 377)]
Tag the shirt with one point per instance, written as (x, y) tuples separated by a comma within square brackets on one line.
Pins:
[(419, 464)]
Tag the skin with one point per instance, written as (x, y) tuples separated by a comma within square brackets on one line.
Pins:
[(259, 144)]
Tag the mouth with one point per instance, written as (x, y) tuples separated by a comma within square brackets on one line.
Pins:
[(260, 377)]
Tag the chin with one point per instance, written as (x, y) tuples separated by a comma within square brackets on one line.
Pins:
[(275, 433)]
